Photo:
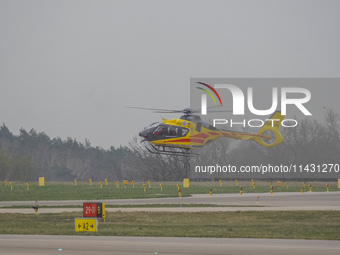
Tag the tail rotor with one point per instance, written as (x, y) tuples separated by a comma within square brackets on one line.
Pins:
[(269, 135)]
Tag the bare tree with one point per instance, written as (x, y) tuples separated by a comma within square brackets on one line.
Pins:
[(155, 166)]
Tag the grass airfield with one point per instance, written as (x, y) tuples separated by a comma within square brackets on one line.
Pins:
[(318, 225), (299, 224), (85, 191)]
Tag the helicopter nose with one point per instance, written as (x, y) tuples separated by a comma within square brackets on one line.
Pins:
[(143, 134)]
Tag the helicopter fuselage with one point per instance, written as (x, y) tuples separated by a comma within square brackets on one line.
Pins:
[(189, 132)]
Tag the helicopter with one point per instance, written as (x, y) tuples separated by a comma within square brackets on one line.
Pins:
[(189, 132)]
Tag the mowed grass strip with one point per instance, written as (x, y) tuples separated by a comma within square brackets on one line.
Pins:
[(83, 191), (54, 191), (322, 225)]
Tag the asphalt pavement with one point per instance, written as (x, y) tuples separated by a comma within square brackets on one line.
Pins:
[(89, 245), (283, 201)]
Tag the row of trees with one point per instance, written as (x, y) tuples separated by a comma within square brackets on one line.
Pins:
[(17, 167), (56, 159), (30, 154)]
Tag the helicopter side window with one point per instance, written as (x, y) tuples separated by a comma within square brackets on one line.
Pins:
[(172, 131), (185, 131)]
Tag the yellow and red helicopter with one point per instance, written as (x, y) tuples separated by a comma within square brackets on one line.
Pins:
[(189, 132)]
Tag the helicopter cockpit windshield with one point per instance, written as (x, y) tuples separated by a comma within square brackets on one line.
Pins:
[(167, 131), (147, 131), (153, 125), (158, 131)]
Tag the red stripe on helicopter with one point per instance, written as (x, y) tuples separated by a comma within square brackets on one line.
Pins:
[(186, 141), (225, 133), (201, 135), (213, 133)]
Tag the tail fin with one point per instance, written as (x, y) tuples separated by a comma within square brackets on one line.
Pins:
[(269, 135)]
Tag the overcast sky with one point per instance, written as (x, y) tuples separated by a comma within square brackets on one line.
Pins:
[(70, 68)]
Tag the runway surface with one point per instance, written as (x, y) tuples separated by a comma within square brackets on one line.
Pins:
[(279, 201), (89, 245)]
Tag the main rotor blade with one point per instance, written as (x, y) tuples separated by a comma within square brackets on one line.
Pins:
[(168, 111), (209, 109), (158, 110)]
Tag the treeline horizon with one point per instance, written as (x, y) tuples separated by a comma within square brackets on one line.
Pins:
[(30, 155)]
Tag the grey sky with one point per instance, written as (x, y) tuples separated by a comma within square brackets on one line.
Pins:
[(70, 68)]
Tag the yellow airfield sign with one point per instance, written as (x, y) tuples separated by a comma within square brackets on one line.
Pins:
[(86, 224), (185, 183), (41, 181)]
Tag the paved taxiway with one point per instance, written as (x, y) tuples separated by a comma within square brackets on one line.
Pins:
[(89, 245), (279, 201)]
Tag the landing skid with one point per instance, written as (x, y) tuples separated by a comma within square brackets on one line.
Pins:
[(163, 151)]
